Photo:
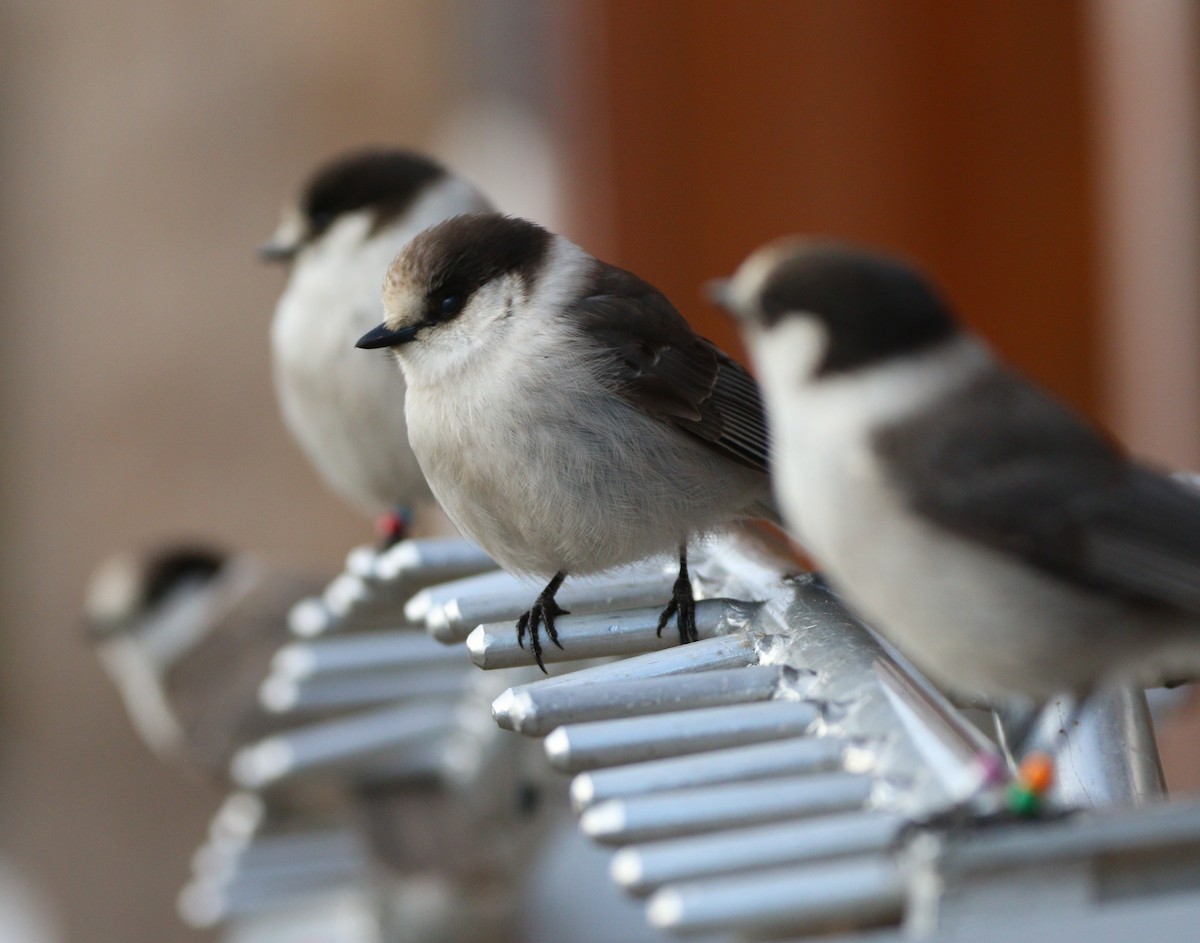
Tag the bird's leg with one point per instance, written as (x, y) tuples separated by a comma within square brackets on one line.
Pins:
[(393, 527), (682, 602), (543, 611)]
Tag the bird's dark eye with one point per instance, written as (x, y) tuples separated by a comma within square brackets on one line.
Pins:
[(450, 305)]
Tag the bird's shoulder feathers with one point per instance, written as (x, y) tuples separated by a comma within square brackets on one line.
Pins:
[(664, 368)]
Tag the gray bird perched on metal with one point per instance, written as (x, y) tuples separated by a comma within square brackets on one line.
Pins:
[(566, 416), (186, 633), (345, 410), (1003, 543)]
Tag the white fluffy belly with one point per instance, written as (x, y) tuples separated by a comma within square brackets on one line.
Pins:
[(579, 488)]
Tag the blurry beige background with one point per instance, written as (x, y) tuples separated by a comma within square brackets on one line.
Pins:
[(1039, 158)]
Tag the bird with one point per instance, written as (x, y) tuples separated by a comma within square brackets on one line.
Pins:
[(566, 416), (352, 216), (186, 632), (1010, 548)]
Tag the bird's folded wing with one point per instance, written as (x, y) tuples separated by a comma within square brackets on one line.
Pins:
[(1003, 464), (1147, 539), (661, 366)]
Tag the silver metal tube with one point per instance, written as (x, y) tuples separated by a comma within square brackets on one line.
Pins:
[(724, 651), (373, 651), (356, 604), (214, 859), (640, 869), (399, 571), (457, 617), (309, 618), (414, 564), (849, 893), (283, 695), (309, 863), (578, 747), (339, 742), (416, 761), (239, 816), (371, 592), (791, 756), (536, 711), (298, 871), (628, 632), (1109, 757), (709, 808), (362, 560), (422, 605), (202, 904)]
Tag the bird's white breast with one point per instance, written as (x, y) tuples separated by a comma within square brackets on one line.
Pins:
[(345, 406), (827, 475)]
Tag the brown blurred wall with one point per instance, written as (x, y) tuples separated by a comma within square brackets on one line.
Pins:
[(954, 133)]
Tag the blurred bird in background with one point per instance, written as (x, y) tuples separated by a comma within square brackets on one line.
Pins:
[(345, 410), (186, 633), (1004, 544)]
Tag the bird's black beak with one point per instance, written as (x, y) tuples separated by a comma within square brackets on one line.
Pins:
[(276, 251), (384, 336)]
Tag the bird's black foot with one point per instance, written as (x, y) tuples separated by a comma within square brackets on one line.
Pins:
[(542, 612), (682, 605)]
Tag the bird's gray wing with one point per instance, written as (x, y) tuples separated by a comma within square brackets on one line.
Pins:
[(1002, 463), (664, 368)]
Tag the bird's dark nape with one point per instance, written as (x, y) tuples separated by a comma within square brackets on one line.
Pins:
[(872, 306)]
